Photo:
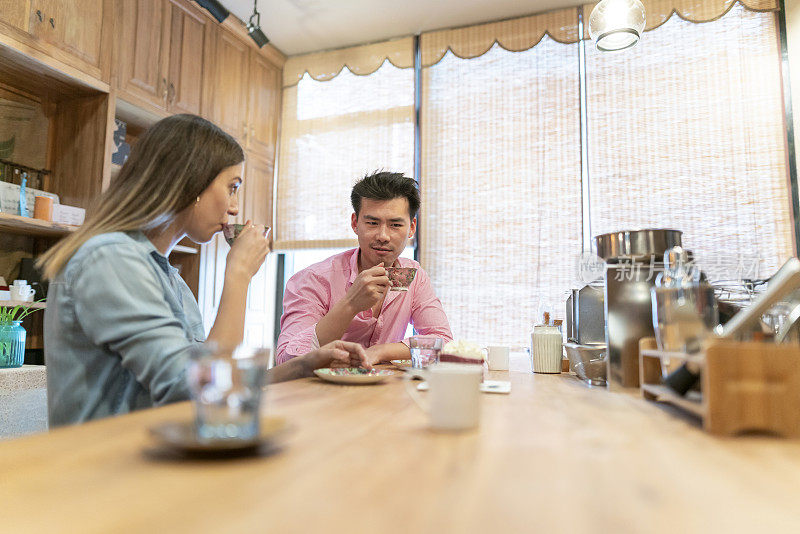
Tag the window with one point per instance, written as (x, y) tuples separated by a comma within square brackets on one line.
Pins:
[(686, 131), (335, 130), (501, 184)]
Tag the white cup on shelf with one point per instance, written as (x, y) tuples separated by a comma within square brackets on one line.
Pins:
[(22, 293)]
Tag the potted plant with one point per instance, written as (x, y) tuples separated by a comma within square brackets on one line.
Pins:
[(12, 335)]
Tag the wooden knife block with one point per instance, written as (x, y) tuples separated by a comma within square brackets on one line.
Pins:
[(746, 387)]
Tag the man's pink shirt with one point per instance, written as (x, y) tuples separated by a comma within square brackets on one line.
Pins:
[(312, 292)]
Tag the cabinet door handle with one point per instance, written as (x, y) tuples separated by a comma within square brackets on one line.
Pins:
[(252, 131), (39, 14), (52, 22), (165, 90), (245, 131), (171, 94)]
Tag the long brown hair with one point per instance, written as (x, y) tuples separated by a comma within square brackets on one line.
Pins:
[(168, 168)]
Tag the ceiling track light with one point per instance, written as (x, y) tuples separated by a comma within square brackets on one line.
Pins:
[(216, 9), (254, 28)]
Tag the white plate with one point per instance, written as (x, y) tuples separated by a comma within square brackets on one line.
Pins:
[(353, 375), (487, 386)]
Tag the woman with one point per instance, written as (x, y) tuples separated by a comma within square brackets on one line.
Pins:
[(120, 322)]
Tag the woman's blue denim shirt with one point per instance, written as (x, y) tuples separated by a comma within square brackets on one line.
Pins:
[(118, 329)]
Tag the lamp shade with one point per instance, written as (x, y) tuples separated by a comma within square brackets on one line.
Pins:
[(616, 24)]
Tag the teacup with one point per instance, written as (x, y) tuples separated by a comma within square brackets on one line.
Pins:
[(231, 232), (23, 293), (454, 394), (400, 277)]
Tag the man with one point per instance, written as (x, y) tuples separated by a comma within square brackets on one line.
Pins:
[(347, 295)]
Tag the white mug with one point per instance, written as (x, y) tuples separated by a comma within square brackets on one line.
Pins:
[(19, 283), (21, 293), (497, 358), (454, 394)]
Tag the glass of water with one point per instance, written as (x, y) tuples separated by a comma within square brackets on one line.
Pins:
[(226, 387), (425, 350)]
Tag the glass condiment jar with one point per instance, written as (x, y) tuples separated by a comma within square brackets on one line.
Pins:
[(546, 351)]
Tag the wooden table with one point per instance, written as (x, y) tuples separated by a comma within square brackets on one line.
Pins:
[(553, 456)]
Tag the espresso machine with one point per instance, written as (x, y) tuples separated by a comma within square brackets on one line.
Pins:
[(633, 259)]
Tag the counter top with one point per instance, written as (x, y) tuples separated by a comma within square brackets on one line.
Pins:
[(23, 400), (553, 456)]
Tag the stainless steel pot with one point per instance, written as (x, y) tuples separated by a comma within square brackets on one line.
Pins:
[(636, 244)]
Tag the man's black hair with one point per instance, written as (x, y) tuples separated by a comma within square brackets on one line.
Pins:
[(381, 185)]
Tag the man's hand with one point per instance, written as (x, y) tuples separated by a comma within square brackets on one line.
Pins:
[(374, 354), (368, 288), (387, 352), (340, 352)]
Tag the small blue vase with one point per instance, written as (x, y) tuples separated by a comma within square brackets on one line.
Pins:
[(12, 344)]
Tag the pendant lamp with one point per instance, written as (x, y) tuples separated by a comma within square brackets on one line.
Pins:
[(616, 24)]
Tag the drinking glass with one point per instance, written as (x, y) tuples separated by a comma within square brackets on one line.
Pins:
[(425, 350), (226, 387)]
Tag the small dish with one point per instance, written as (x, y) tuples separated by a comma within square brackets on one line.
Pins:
[(403, 364), (182, 437), (487, 386), (353, 375)]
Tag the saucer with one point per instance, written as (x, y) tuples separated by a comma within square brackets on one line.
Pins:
[(353, 375), (181, 437), (487, 386)]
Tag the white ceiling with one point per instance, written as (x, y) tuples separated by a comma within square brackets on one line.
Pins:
[(299, 26)]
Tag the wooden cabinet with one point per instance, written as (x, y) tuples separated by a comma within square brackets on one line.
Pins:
[(188, 52), (228, 91), (15, 14), (263, 105), (169, 56), (163, 53), (255, 200), (142, 55), (255, 194), (255, 203), (74, 28)]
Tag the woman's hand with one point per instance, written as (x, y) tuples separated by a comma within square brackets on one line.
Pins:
[(248, 252), (341, 352)]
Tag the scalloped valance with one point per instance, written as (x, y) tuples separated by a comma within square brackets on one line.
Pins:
[(361, 60), (658, 12), (514, 35)]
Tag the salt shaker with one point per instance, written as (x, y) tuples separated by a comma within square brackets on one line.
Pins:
[(546, 350)]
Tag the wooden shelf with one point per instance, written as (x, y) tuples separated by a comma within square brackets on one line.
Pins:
[(12, 303), (681, 356), (33, 227), (181, 249), (691, 403)]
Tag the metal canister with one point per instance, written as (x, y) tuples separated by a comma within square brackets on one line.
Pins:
[(633, 259)]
